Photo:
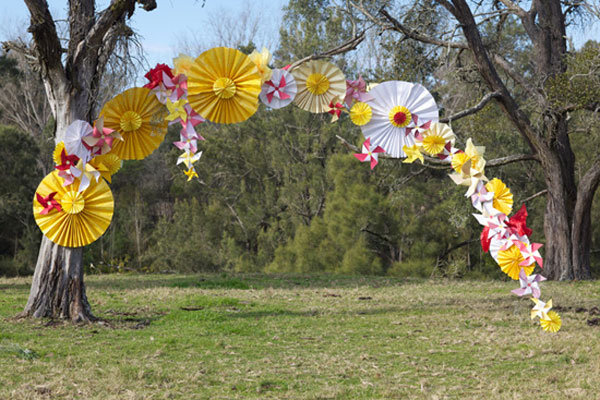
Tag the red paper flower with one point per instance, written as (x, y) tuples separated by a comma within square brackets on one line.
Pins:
[(155, 75), (518, 222)]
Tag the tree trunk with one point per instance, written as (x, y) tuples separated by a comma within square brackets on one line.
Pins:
[(57, 290)]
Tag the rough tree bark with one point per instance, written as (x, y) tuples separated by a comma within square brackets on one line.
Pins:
[(567, 219), (71, 84)]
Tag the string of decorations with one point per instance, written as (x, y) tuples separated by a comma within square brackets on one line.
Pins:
[(73, 205)]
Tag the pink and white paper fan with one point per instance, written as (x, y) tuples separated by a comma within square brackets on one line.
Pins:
[(280, 90), (393, 105)]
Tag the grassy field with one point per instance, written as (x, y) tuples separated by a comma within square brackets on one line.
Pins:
[(253, 336)]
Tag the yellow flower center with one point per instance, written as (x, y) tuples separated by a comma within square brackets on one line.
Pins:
[(433, 144), (360, 113), (399, 116), (130, 121), (72, 202), (317, 84), (224, 88)]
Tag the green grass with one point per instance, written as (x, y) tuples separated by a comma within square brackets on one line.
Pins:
[(256, 336)]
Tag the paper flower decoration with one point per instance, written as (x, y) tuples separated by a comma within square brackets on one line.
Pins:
[(67, 167), (540, 309), (188, 158), (518, 222), (360, 113), (261, 60), (223, 86), (107, 164), (73, 139), (155, 75), (529, 285), (335, 108), (551, 323), (56, 154), (356, 91), (503, 198), (393, 105), (84, 216), (182, 64), (433, 140), (482, 200), (48, 202), (140, 119), (280, 90), (177, 111), (510, 262), (368, 154), (101, 139), (191, 173), (531, 253), (413, 153), (318, 82)]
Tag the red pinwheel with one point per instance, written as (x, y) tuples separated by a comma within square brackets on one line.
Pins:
[(48, 203), (368, 154), (335, 109)]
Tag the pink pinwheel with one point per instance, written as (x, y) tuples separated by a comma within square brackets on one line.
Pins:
[(368, 154), (193, 116), (188, 131), (177, 85), (356, 90), (280, 90), (417, 130), (482, 199), (67, 165), (48, 203), (101, 139), (187, 143), (530, 252), (529, 284)]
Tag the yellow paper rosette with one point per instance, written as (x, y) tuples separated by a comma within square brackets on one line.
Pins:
[(509, 261), (140, 119), (107, 164), (552, 323), (182, 64), (223, 86), (60, 146), (84, 217), (436, 137), (503, 198), (360, 113), (318, 82)]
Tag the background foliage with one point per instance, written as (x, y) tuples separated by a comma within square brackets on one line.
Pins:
[(280, 193)]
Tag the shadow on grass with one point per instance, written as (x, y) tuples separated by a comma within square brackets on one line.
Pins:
[(315, 313)]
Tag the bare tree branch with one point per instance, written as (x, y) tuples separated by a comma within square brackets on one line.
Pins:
[(342, 48), (533, 196), (479, 106), (413, 34)]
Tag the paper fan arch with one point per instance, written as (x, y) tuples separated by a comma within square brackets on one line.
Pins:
[(394, 105), (223, 86), (319, 83), (280, 90), (81, 217), (140, 119)]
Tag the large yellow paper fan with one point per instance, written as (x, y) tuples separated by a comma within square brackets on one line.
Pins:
[(83, 217), (223, 86), (140, 119), (319, 82)]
